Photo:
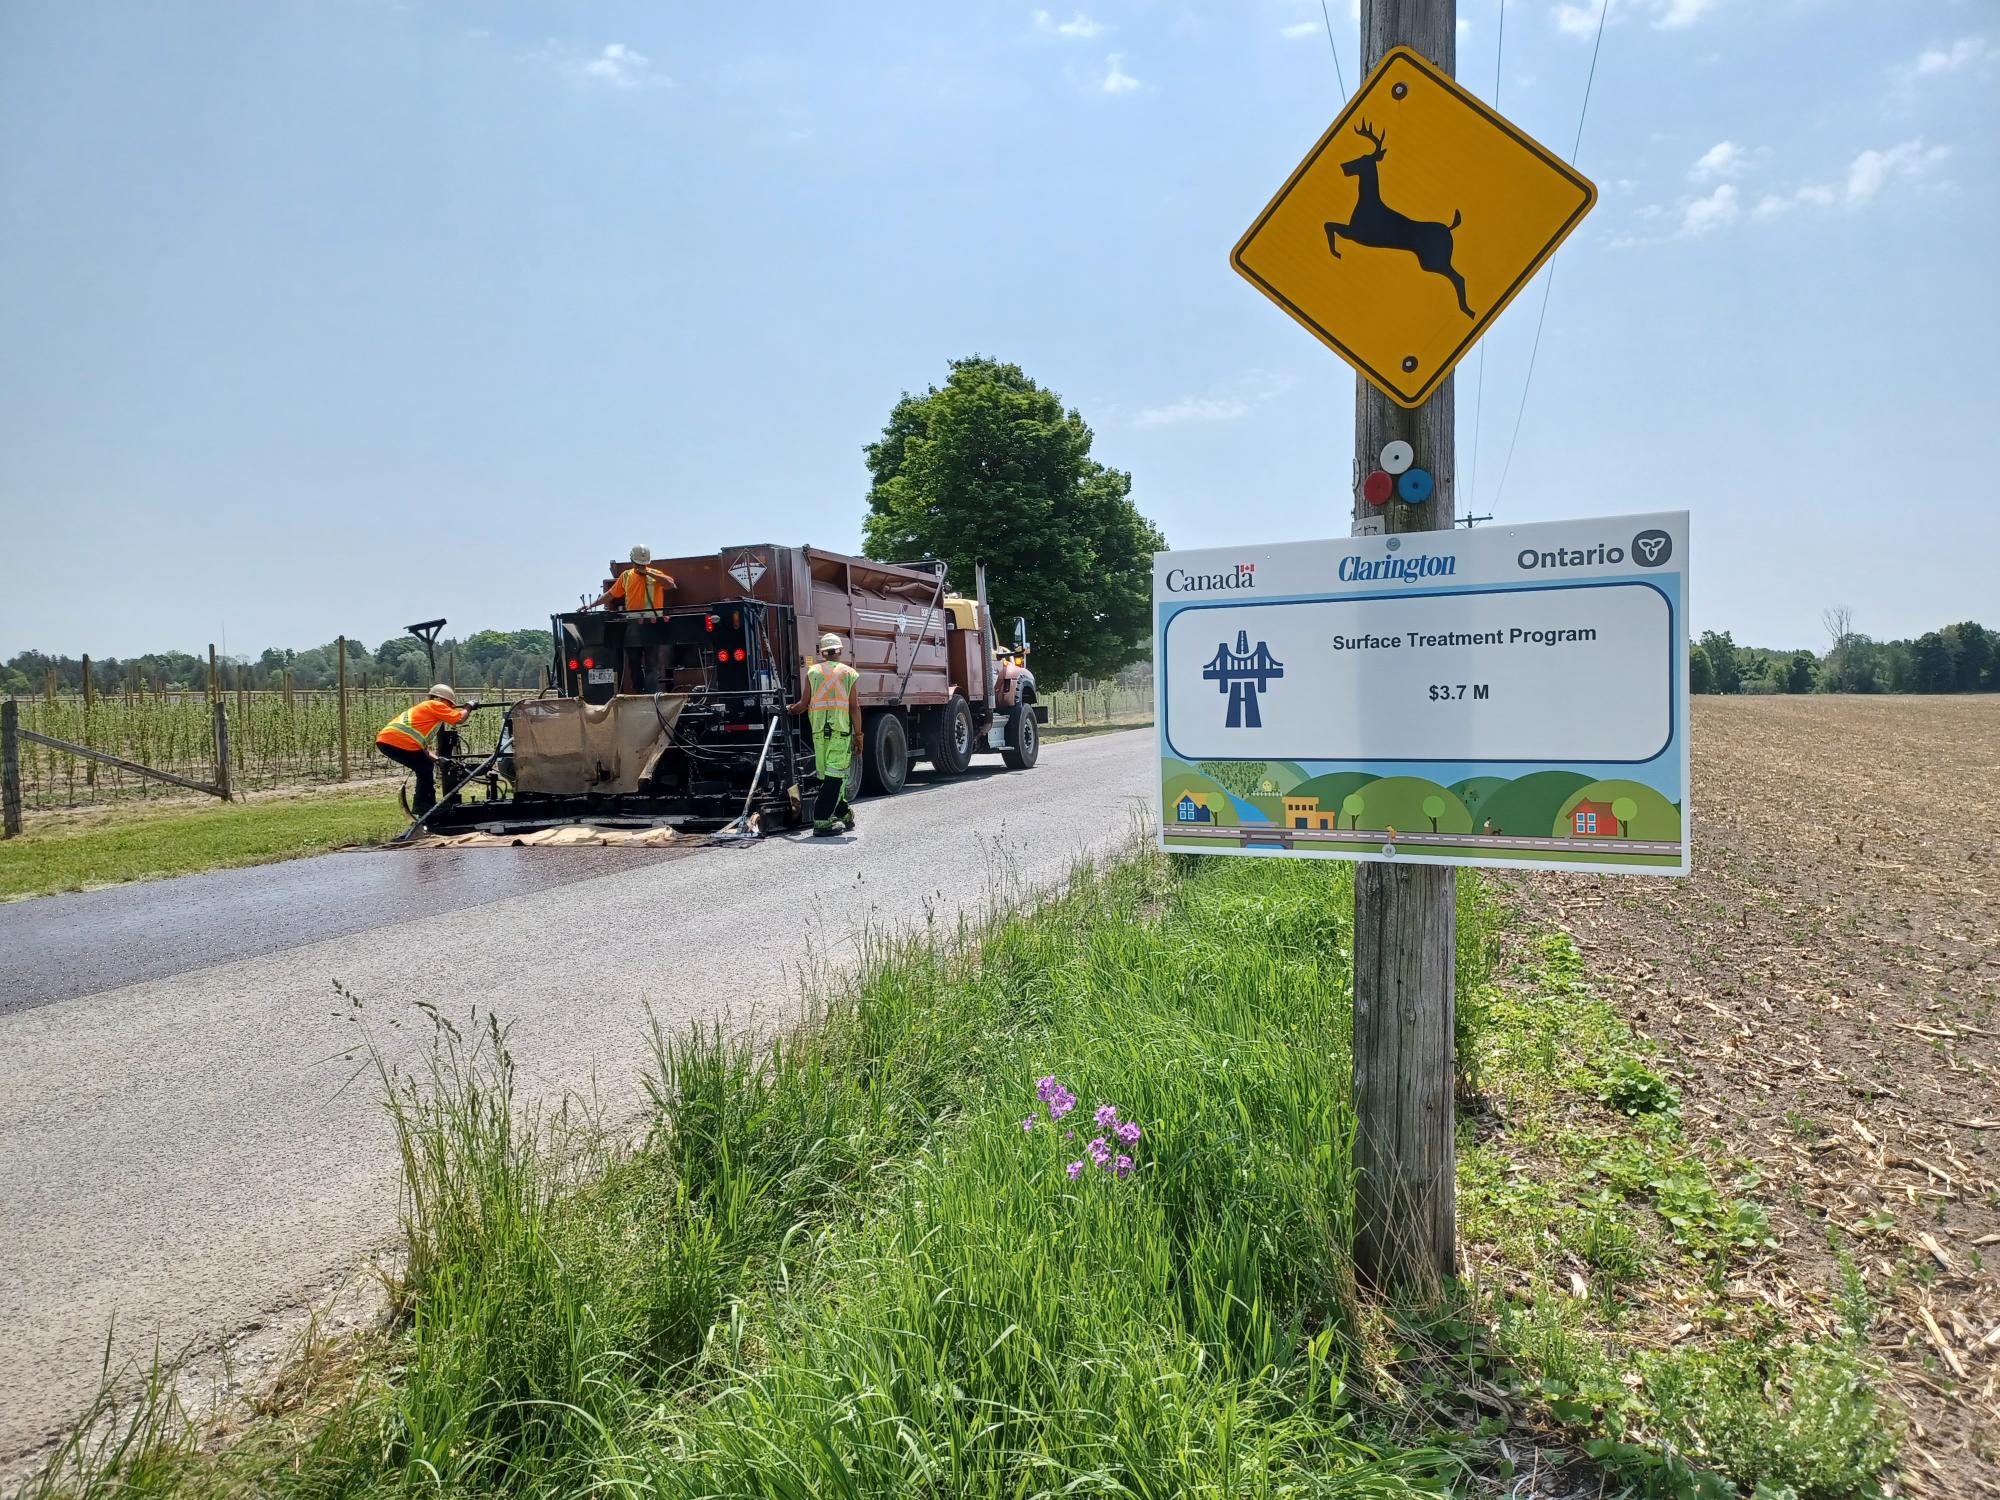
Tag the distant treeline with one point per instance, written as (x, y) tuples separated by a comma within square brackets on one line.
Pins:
[(1962, 658), (492, 658)]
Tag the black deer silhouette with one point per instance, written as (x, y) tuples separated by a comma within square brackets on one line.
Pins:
[(1375, 223)]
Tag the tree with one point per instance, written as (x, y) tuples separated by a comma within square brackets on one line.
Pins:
[(1701, 677), (1933, 664), (1720, 650), (1433, 809), (1353, 806), (1978, 654), (1238, 776), (992, 468), (1624, 809), (1800, 671)]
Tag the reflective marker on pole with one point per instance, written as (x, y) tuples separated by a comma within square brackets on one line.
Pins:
[(1415, 485), (1377, 488), (1398, 456)]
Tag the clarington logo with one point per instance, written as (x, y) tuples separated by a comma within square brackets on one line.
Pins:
[(1244, 577), (1401, 569)]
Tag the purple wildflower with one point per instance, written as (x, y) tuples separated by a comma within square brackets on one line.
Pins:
[(1121, 1166), (1128, 1133), (1075, 1170), (1107, 1116), (1099, 1152), (1028, 1123), (1061, 1103)]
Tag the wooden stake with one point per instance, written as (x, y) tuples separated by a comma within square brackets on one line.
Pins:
[(10, 768), (222, 749), (1405, 916), (343, 707)]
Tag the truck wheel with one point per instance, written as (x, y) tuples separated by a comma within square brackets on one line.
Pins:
[(948, 737), (885, 754), (1024, 738)]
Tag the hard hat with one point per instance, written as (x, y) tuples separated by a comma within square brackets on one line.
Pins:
[(642, 555), (829, 642), (443, 690)]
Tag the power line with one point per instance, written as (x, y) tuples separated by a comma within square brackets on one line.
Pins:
[(1549, 279), (1326, 17), (1479, 396)]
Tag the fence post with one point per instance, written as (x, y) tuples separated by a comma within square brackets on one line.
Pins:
[(89, 702), (10, 768), (222, 748), (214, 683), (342, 648)]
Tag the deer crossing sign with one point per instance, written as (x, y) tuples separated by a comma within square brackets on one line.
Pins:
[(1412, 222)]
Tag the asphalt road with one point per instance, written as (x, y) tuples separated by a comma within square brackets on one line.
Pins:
[(180, 1152)]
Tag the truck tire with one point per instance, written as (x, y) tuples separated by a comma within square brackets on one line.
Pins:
[(1024, 738), (885, 753), (948, 737)]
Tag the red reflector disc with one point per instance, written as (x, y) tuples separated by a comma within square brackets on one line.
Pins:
[(1377, 488)]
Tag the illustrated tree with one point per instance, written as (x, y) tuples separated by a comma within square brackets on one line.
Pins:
[(1433, 809), (991, 468), (1239, 776), (1624, 809), (1352, 805)]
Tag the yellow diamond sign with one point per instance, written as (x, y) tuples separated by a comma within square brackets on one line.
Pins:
[(1410, 225)]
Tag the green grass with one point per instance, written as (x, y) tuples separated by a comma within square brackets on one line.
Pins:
[(843, 1267), (208, 837)]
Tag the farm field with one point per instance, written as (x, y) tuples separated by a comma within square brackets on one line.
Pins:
[(1827, 986)]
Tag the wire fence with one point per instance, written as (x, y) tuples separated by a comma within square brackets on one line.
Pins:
[(276, 739), (283, 739)]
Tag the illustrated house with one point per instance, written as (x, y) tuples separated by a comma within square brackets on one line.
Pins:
[(1193, 808), (1593, 820), (1305, 812)]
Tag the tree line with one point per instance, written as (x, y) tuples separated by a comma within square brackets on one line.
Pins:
[(1961, 658)]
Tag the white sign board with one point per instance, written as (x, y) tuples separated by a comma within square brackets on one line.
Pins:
[(1507, 695)]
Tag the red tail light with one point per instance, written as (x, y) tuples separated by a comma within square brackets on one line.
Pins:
[(709, 623), (572, 663), (588, 662), (739, 653)]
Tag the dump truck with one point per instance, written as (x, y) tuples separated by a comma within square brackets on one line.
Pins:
[(678, 715)]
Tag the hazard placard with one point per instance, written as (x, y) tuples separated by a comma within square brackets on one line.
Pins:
[(1413, 221)]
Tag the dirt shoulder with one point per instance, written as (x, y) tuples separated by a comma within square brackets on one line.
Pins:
[(1827, 984)]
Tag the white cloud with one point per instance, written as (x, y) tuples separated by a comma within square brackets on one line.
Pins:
[(1116, 79), (1700, 216), (1872, 171), (1300, 30), (1720, 162), (621, 67), (1580, 18), (1224, 404), (1966, 52), (1078, 28)]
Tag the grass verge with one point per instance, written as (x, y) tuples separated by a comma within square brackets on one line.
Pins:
[(886, 1258), (209, 837)]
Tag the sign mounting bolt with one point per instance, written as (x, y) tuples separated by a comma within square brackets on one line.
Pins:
[(1409, 362), (1400, 90)]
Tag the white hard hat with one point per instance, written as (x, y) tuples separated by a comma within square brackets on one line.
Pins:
[(642, 555), (829, 642), (443, 690)]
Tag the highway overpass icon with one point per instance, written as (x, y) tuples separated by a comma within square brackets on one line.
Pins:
[(1242, 674)]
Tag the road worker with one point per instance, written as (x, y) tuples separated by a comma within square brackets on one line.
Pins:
[(836, 734), (639, 588), (408, 740)]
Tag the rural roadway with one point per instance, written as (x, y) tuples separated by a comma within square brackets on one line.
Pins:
[(180, 1153)]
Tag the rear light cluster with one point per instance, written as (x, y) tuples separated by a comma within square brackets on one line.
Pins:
[(738, 655), (586, 662)]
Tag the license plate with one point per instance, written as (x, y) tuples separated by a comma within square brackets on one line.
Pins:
[(601, 674)]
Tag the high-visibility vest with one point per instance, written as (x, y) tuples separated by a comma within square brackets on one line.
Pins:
[(405, 724), (648, 585), (830, 690)]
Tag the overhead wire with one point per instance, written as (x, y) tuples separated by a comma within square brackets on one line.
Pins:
[(1479, 395), (1549, 278), (1327, 17)]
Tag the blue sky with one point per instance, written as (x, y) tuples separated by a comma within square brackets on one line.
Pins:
[(324, 317)]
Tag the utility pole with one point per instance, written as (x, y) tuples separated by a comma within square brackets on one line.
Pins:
[(1405, 916)]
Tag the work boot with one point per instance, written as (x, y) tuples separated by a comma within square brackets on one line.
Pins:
[(824, 830), (846, 819)]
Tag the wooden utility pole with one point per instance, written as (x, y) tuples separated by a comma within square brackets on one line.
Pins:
[(1405, 916), (342, 649)]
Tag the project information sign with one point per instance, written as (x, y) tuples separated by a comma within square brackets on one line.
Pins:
[(1508, 695)]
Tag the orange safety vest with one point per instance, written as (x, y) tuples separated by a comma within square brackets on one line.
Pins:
[(643, 588), (415, 727)]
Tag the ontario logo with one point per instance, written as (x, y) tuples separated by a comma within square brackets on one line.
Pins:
[(1179, 582), (1242, 674)]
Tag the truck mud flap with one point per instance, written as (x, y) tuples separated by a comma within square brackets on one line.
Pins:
[(1041, 713)]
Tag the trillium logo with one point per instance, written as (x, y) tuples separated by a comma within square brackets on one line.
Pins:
[(1652, 548)]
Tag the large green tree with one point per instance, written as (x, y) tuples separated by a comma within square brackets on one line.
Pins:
[(991, 468)]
